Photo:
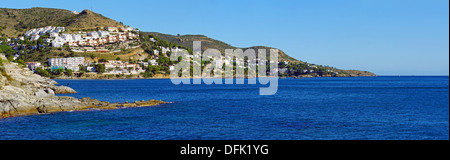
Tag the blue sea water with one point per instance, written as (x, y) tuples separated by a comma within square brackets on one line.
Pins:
[(375, 108)]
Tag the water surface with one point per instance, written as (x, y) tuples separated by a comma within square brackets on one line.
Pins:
[(315, 108)]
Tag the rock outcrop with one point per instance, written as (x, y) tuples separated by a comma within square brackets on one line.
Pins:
[(23, 93)]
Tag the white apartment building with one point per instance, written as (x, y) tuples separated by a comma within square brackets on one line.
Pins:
[(54, 34), (60, 29), (103, 34), (77, 37), (94, 35), (68, 63), (44, 30), (58, 42), (67, 37)]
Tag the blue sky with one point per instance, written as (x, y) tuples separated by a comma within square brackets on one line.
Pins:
[(388, 37)]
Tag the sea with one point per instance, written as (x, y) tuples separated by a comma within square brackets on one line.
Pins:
[(351, 108)]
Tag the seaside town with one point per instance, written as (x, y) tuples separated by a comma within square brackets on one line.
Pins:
[(94, 41), (102, 40), (112, 40)]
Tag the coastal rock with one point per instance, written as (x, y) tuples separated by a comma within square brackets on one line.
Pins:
[(23, 93), (63, 90), (46, 92)]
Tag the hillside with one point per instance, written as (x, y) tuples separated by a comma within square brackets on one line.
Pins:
[(14, 22), (187, 41), (87, 20)]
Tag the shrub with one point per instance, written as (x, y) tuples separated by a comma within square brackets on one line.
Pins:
[(100, 68), (42, 72), (69, 72)]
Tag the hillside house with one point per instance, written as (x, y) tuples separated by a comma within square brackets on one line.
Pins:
[(111, 29), (33, 65)]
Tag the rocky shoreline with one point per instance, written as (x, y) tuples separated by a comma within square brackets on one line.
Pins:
[(24, 93)]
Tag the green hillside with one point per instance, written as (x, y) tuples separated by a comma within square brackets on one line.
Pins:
[(187, 41), (14, 22)]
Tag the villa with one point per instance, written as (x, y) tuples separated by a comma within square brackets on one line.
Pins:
[(33, 65)]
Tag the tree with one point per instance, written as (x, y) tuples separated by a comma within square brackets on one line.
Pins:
[(11, 58), (21, 62), (58, 71), (102, 60), (41, 41), (164, 60), (69, 72), (42, 72), (81, 68), (130, 61), (118, 58), (100, 68)]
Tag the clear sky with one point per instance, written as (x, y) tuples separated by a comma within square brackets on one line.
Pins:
[(387, 37)]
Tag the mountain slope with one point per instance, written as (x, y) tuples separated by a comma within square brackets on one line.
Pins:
[(187, 41), (14, 22), (90, 20), (17, 21)]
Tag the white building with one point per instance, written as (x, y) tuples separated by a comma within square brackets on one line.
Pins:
[(48, 40), (153, 62), (76, 37), (54, 34), (305, 71), (103, 34), (156, 52), (164, 50), (44, 30), (284, 70), (91, 69), (94, 35), (35, 37), (33, 65), (122, 67), (60, 29), (67, 37), (58, 42), (129, 29), (68, 63), (30, 32)]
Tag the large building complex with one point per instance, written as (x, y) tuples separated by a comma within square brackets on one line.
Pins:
[(66, 63)]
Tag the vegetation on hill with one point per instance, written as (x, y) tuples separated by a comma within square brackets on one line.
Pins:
[(294, 66), (88, 20), (14, 22), (187, 41), (18, 21)]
